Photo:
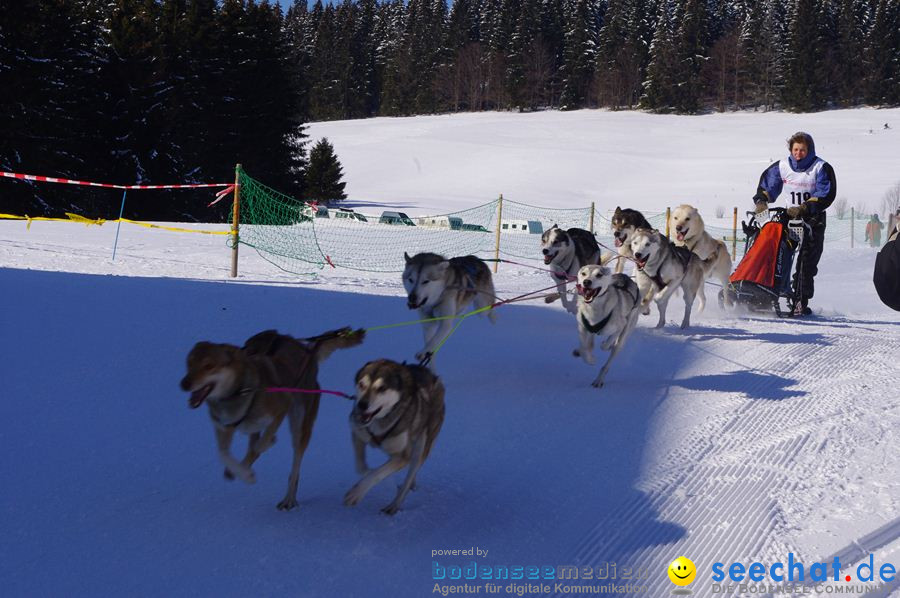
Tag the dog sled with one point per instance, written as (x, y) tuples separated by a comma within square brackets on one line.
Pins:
[(763, 279)]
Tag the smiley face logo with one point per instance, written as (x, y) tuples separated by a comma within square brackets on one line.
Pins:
[(682, 571)]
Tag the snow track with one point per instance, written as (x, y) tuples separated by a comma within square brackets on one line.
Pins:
[(784, 423)]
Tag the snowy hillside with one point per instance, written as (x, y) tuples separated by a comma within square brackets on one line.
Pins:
[(743, 439)]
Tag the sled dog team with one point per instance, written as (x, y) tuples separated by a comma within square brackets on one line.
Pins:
[(399, 408)]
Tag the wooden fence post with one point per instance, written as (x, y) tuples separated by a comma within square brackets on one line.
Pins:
[(497, 245), (734, 237), (235, 220)]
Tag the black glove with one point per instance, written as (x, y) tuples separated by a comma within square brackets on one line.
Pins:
[(761, 201)]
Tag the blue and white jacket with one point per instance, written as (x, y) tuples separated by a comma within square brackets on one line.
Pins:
[(810, 181)]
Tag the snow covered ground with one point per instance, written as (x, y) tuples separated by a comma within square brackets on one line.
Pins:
[(743, 439)]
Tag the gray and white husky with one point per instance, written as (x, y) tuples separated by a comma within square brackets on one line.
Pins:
[(400, 409), (440, 287), (608, 306), (662, 268), (566, 251)]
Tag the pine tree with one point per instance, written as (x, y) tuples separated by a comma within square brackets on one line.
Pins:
[(48, 58), (689, 51), (848, 47), (578, 69), (324, 174), (659, 85), (802, 90), (883, 55), (553, 37)]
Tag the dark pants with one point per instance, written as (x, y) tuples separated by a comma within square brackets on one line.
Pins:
[(810, 253)]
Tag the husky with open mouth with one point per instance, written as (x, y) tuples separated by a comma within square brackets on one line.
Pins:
[(623, 224), (690, 231), (662, 268), (399, 409), (608, 306), (235, 384), (566, 251)]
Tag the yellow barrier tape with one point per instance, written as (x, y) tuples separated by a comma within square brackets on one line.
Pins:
[(14, 217), (176, 229), (83, 220), (100, 221)]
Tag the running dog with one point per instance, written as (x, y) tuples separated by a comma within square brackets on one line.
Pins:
[(566, 251), (690, 232), (623, 224), (662, 268), (234, 382), (439, 287), (608, 305), (400, 409)]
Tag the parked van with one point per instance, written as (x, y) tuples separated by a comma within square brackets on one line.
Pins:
[(347, 214), (398, 218), (474, 228), (451, 222), (533, 227)]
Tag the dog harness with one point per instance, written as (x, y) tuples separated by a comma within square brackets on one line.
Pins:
[(239, 393), (377, 440), (595, 328)]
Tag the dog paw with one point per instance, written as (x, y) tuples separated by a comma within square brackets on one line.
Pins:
[(597, 383), (228, 475), (391, 509), (646, 310), (353, 496), (576, 353), (246, 474), (288, 503)]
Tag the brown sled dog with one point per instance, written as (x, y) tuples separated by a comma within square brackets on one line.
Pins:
[(233, 382)]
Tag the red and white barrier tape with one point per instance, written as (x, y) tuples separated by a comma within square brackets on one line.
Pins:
[(48, 179), (220, 195)]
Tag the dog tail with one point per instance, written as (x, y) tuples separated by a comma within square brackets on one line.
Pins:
[(329, 342)]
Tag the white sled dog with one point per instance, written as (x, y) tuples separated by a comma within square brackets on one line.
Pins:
[(400, 409), (566, 251), (608, 306), (439, 287), (662, 268), (690, 232)]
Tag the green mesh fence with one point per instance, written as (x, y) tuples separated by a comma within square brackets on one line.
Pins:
[(301, 238), (279, 227), (522, 225)]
